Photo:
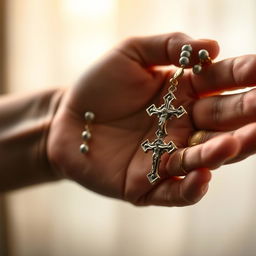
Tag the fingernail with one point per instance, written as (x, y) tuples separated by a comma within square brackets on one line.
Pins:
[(204, 188)]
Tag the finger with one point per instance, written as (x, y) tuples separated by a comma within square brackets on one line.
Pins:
[(225, 112), (210, 154), (179, 192), (165, 49), (246, 136), (233, 73)]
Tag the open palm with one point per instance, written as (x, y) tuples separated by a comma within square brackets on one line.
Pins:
[(118, 89)]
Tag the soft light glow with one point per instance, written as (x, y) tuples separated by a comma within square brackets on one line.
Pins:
[(88, 8)]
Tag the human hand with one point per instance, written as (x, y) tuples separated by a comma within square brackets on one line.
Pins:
[(119, 88)]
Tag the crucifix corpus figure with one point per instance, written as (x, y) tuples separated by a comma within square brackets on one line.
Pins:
[(165, 112), (158, 147)]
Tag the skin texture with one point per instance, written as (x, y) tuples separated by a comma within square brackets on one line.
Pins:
[(119, 88)]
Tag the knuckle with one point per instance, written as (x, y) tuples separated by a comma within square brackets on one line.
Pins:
[(239, 106), (249, 103), (243, 69), (171, 197), (176, 38), (129, 42), (217, 109), (178, 35), (184, 198)]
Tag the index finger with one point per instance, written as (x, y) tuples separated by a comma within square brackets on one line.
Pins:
[(229, 74), (165, 49)]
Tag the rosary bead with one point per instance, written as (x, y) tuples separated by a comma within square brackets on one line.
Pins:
[(184, 61), (203, 54), (186, 47), (89, 116), (84, 148), (197, 69), (86, 135), (185, 54)]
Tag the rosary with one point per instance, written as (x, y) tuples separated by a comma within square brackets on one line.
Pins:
[(166, 111)]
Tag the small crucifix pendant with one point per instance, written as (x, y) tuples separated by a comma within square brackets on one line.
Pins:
[(158, 147), (164, 113)]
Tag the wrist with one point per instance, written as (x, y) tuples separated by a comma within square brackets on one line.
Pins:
[(49, 170), (24, 123)]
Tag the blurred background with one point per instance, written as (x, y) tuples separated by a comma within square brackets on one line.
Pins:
[(46, 43)]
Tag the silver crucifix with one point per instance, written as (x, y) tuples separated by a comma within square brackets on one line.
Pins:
[(165, 112), (158, 147)]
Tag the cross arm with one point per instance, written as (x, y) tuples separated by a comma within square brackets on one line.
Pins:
[(146, 145), (180, 111), (151, 110), (168, 147)]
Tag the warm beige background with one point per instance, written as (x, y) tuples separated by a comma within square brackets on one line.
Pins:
[(50, 43)]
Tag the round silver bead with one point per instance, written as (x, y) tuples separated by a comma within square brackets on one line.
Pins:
[(184, 61), (86, 135), (197, 69), (84, 148), (89, 116), (185, 54), (187, 47), (203, 54)]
